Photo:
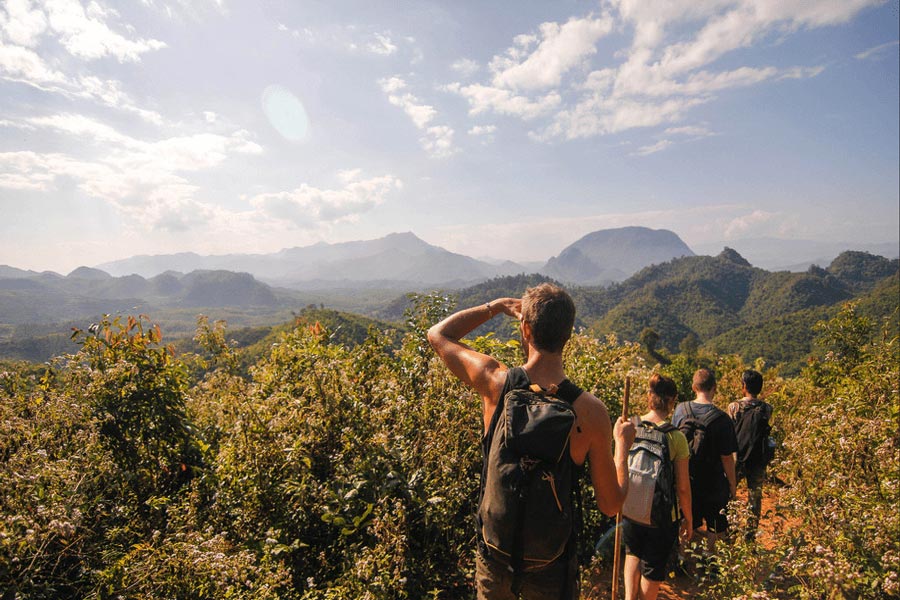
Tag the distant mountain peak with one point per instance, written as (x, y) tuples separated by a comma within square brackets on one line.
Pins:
[(89, 273), (614, 254), (732, 255)]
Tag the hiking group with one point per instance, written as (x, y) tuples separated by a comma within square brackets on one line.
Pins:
[(541, 432)]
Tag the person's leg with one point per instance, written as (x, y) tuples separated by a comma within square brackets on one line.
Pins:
[(654, 566), (755, 481), (634, 537), (649, 589), (632, 577), (492, 581), (550, 583)]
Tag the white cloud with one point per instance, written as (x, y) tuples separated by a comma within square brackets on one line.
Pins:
[(349, 38), (83, 33), (437, 140), (742, 226), (21, 24), (465, 67), (308, 206), (483, 130), (561, 48), (485, 98), (670, 67), (877, 51), (18, 63), (395, 88), (652, 149), (348, 175), (381, 45), (600, 116), (145, 180)]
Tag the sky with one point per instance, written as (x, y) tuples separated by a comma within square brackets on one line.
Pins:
[(493, 129)]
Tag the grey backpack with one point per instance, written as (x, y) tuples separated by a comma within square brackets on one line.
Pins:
[(526, 513), (651, 477)]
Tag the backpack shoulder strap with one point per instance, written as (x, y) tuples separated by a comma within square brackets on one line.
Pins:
[(666, 428), (689, 409), (568, 391), (516, 379), (712, 416)]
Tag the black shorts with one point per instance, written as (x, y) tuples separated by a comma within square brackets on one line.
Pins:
[(652, 545), (710, 509)]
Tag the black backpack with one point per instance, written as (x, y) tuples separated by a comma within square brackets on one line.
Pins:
[(696, 430), (526, 514), (651, 477), (752, 429)]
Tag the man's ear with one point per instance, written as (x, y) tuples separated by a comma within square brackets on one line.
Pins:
[(526, 330)]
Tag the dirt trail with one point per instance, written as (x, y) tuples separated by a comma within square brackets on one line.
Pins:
[(683, 586)]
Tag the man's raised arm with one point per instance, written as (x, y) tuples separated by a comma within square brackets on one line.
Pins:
[(473, 368)]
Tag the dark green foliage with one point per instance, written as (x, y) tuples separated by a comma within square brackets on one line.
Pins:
[(860, 269), (341, 470), (224, 288), (729, 306)]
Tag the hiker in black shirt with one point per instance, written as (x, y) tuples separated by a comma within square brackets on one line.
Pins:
[(713, 479), (753, 452)]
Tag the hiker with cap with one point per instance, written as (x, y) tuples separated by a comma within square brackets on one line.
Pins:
[(538, 429)]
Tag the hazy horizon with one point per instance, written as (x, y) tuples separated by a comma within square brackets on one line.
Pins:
[(228, 127), (768, 257)]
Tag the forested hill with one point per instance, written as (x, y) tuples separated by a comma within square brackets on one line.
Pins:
[(37, 297), (709, 296), (722, 302)]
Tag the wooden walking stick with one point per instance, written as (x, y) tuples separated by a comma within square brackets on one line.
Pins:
[(617, 554)]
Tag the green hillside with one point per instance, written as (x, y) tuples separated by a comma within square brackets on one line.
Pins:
[(725, 303), (712, 296)]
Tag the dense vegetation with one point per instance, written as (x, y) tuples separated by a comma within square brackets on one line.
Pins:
[(347, 467)]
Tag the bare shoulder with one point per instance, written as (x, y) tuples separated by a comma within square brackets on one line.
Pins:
[(590, 408), (592, 426)]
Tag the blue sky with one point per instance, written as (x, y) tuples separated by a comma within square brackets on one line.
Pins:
[(505, 129)]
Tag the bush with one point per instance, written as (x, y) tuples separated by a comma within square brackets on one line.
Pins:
[(332, 471)]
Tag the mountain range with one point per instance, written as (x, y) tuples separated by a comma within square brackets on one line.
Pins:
[(796, 255), (29, 297), (624, 280), (722, 303), (402, 261), (399, 260)]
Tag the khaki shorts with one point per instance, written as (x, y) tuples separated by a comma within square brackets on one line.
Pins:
[(494, 581)]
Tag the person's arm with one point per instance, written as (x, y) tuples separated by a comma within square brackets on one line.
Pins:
[(609, 469), (477, 370), (732, 410), (683, 489), (728, 465)]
